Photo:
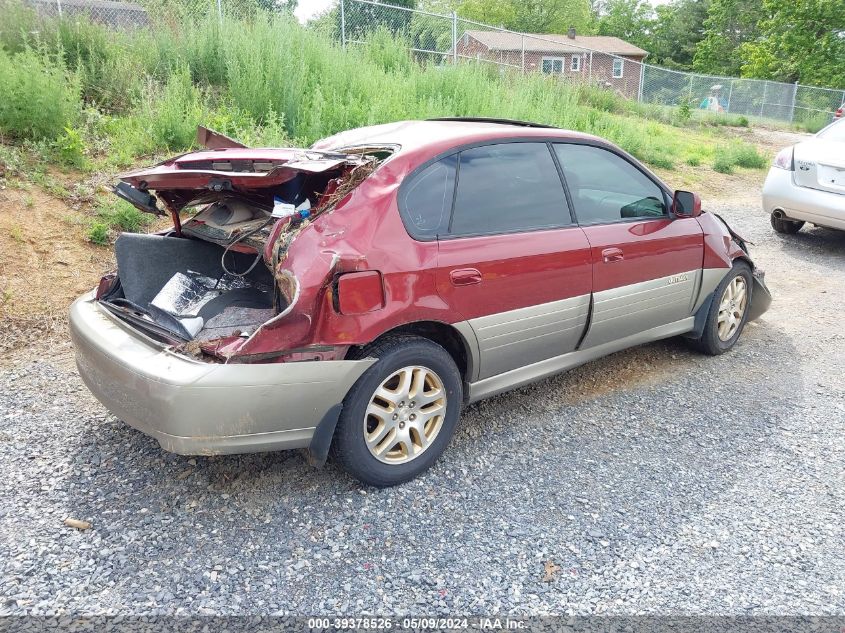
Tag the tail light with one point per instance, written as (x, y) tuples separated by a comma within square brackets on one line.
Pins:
[(784, 159), (359, 292)]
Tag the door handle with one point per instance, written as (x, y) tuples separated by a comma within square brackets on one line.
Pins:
[(465, 276), (611, 255)]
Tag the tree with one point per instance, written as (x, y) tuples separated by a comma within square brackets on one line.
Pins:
[(677, 30), (729, 24), (800, 40), (631, 20), (431, 33), (364, 18), (530, 16)]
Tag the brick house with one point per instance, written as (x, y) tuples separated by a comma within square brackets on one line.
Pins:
[(600, 59)]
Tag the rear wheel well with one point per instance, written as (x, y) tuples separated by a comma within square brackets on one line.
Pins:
[(441, 333)]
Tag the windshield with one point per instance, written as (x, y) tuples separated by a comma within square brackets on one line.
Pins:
[(834, 132)]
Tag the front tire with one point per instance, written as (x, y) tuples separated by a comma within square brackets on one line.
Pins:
[(788, 227), (399, 416), (728, 311)]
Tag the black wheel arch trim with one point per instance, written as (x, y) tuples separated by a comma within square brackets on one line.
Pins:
[(321, 441)]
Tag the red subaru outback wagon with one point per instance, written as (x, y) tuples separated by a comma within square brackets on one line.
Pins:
[(354, 296)]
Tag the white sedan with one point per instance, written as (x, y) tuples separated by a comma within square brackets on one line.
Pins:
[(807, 182)]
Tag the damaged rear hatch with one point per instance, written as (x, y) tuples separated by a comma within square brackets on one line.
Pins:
[(210, 280)]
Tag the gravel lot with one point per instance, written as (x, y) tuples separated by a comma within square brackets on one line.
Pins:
[(653, 481)]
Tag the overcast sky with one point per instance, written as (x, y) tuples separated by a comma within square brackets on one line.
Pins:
[(309, 8)]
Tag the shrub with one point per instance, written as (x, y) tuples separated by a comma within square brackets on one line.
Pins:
[(40, 96), (119, 215), (814, 123), (98, 233), (169, 116), (387, 52), (109, 68), (723, 161), (747, 156), (685, 111), (71, 148), (16, 28)]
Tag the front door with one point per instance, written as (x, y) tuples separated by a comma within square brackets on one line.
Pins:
[(512, 262), (646, 263)]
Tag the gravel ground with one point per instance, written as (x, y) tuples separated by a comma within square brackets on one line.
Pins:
[(654, 481)]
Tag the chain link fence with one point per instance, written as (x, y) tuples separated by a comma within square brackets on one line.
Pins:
[(439, 38), (605, 62)]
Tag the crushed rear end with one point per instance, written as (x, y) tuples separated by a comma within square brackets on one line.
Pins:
[(160, 341)]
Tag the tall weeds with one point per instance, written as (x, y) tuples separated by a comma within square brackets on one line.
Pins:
[(270, 80)]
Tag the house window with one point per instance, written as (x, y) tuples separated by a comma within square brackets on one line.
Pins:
[(552, 65), (575, 65), (618, 65)]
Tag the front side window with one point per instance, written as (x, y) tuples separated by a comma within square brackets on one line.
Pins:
[(618, 67), (607, 188), (509, 187), (552, 65), (575, 66), (426, 200)]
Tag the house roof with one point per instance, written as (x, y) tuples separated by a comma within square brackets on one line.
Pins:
[(551, 43)]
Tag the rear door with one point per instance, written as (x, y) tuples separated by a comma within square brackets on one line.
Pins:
[(646, 263), (511, 261)]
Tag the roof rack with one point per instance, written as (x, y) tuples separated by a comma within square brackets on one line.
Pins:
[(481, 119)]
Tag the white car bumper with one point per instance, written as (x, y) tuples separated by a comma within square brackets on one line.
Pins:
[(822, 208)]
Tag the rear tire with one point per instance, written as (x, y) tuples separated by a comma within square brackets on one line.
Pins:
[(728, 311), (399, 416), (788, 227)]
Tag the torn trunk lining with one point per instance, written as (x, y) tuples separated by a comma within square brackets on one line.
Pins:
[(147, 263)]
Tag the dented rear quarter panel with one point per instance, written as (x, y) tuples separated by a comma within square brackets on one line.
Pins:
[(363, 232)]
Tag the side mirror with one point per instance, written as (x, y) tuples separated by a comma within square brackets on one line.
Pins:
[(686, 204)]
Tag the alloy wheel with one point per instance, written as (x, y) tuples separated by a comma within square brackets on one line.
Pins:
[(732, 307), (405, 415)]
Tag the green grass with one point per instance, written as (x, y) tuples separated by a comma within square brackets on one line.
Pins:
[(737, 154), (119, 215), (723, 163), (16, 234), (98, 233), (813, 123), (100, 100)]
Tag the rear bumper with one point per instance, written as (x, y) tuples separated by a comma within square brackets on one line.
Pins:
[(802, 203), (197, 408)]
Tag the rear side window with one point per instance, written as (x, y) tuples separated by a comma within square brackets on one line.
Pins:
[(607, 188), (506, 188), (426, 200)]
